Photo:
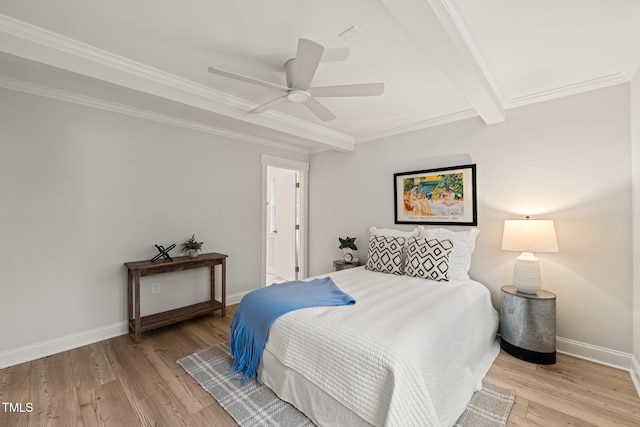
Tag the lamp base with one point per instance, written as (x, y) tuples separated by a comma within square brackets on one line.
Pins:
[(526, 274)]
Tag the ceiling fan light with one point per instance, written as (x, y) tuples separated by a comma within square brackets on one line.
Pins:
[(298, 95)]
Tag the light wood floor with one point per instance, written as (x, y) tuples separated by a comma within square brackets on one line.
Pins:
[(120, 383)]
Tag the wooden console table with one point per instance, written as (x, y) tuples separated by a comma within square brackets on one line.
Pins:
[(138, 269)]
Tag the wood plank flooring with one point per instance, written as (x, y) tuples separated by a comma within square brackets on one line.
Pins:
[(119, 383), (573, 392)]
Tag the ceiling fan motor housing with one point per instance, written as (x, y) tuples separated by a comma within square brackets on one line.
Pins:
[(298, 95)]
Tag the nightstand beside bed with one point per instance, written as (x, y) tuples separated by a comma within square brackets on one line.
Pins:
[(528, 325), (341, 264)]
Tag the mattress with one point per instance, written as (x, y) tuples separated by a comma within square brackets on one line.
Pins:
[(409, 352)]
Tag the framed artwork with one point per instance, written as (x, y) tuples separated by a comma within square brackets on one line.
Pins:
[(445, 196)]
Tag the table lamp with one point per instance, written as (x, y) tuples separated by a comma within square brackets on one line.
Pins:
[(528, 236)]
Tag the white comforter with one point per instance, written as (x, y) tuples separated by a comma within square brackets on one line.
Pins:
[(410, 352)]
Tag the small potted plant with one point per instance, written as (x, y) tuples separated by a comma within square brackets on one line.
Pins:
[(192, 246), (348, 245)]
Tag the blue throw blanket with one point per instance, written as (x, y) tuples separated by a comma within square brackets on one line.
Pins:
[(260, 308)]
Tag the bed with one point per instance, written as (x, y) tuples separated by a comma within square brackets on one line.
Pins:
[(409, 352)]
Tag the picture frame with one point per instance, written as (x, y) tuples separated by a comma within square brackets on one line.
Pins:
[(443, 196)]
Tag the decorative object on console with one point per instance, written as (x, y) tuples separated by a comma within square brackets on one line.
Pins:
[(163, 253), (445, 196), (192, 246), (348, 245), (528, 236)]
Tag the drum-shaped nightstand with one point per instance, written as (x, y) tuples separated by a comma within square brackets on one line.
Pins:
[(528, 325)]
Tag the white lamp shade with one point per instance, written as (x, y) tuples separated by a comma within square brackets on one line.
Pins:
[(529, 235)]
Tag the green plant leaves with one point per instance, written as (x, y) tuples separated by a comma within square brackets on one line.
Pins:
[(192, 244), (348, 243)]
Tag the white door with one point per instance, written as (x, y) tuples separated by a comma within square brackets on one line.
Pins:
[(285, 222), (284, 219)]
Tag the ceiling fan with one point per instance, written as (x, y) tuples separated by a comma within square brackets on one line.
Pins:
[(299, 73)]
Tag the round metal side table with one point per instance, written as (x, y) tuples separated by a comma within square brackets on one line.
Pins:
[(528, 325), (340, 264)]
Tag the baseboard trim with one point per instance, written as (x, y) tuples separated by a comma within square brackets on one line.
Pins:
[(57, 345), (604, 356), (235, 298), (635, 373), (594, 353)]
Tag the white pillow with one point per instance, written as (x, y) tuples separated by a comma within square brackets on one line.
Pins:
[(390, 232), (464, 243)]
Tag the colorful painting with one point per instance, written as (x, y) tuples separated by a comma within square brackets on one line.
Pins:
[(444, 196)]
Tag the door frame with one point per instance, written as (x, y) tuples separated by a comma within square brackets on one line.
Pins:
[(303, 169)]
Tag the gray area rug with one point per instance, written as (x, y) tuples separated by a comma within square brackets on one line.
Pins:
[(251, 405)]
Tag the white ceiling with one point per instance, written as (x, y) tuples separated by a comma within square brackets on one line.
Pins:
[(440, 60)]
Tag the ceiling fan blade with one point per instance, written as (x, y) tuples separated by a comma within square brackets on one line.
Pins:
[(308, 57), (247, 79), (335, 54), (365, 89), (269, 105), (319, 110)]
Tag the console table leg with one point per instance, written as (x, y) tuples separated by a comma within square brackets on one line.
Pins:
[(224, 287), (130, 299), (137, 323), (212, 284)]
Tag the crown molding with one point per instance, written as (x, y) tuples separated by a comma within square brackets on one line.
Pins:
[(88, 101), (561, 92), (461, 18), (38, 44), (411, 127), (463, 22), (572, 89), (633, 60)]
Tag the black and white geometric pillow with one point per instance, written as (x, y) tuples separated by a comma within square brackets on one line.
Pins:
[(386, 254), (428, 259)]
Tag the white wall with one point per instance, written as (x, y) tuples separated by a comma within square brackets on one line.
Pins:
[(83, 190), (635, 161), (566, 160)]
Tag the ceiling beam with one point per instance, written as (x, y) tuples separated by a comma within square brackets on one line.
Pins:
[(437, 29), (36, 44)]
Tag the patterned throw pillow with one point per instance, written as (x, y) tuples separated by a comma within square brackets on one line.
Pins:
[(385, 254), (428, 259), (464, 243)]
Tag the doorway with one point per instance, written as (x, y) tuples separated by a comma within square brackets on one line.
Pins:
[(284, 220)]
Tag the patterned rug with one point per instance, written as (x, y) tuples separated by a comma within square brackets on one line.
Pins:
[(250, 405)]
